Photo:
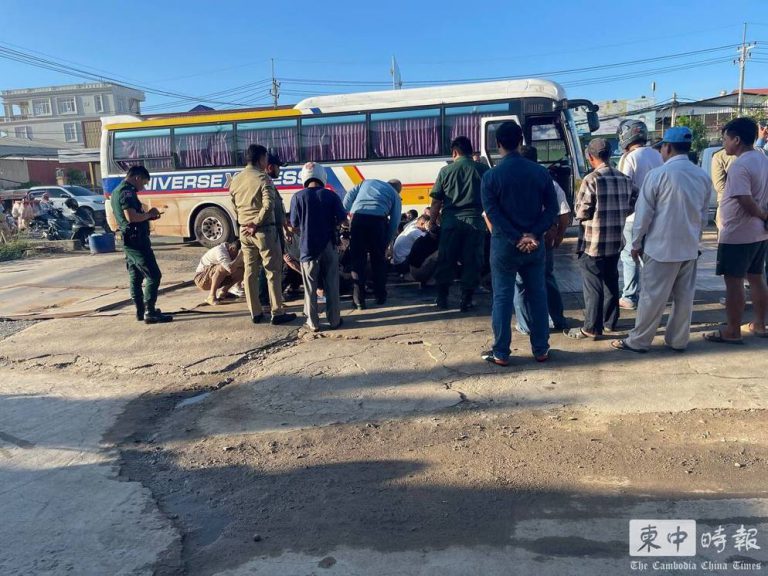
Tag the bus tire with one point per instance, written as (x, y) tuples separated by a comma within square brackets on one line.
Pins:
[(212, 227)]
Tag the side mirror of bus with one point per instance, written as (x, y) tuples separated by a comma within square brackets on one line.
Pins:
[(593, 121)]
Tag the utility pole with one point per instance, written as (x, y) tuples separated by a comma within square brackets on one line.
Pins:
[(275, 90), (744, 53), (674, 110)]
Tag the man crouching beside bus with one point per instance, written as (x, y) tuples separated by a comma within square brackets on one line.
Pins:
[(140, 260), (220, 269), (254, 197)]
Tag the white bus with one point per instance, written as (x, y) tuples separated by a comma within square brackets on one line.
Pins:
[(402, 134)]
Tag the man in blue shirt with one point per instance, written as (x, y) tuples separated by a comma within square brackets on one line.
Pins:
[(317, 212), (374, 206), (520, 205)]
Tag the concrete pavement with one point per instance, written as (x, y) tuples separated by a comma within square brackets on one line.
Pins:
[(213, 446)]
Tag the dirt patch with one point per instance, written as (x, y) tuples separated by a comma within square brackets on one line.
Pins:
[(462, 477)]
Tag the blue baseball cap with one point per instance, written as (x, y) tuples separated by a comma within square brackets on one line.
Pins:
[(677, 135)]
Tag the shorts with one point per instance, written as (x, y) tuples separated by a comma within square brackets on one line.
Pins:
[(738, 260), (204, 279)]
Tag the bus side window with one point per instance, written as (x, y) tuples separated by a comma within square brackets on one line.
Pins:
[(406, 133), (281, 136), (149, 148), (333, 138), (465, 121), (205, 146)]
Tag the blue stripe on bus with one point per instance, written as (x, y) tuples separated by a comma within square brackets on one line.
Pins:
[(173, 182)]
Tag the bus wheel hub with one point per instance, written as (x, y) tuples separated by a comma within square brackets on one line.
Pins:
[(212, 228)]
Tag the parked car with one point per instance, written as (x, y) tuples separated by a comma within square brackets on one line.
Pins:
[(91, 201)]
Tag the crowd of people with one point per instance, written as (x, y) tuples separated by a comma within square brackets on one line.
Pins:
[(23, 213), (646, 216)]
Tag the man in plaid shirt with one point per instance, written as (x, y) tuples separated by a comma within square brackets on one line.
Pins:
[(603, 203)]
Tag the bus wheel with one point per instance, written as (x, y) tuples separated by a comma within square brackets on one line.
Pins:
[(212, 227)]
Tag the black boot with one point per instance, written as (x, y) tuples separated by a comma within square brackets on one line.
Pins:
[(157, 317), (140, 312), (466, 301)]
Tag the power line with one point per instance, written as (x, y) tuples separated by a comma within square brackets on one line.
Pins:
[(549, 73), (57, 66)]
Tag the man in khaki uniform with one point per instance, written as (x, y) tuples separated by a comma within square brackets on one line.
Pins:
[(254, 197), (720, 164)]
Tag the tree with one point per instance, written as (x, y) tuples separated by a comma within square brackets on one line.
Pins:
[(698, 129), (76, 177)]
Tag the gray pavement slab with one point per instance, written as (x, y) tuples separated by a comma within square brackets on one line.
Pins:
[(64, 509), (69, 285)]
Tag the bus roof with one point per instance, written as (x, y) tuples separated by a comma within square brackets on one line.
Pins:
[(434, 95), (447, 94)]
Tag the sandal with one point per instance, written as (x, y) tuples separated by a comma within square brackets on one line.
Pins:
[(749, 328), (490, 357), (579, 334), (622, 345), (718, 338)]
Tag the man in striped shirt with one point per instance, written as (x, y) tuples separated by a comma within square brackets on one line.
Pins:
[(603, 203)]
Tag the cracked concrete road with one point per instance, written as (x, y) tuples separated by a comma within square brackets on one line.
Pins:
[(212, 446)]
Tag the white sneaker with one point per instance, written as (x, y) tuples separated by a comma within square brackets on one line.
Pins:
[(237, 291)]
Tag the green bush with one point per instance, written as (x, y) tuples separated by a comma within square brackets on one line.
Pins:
[(13, 250)]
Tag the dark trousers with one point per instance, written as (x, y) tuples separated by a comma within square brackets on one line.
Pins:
[(368, 237), (464, 243), (143, 271), (601, 292)]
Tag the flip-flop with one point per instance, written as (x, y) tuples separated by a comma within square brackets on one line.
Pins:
[(749, 329), (622, 345), (578, 334), (717, 338)]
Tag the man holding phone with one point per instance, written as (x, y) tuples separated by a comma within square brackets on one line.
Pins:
[(140, 260)]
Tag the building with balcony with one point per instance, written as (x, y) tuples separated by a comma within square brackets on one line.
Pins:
[(65, 116)]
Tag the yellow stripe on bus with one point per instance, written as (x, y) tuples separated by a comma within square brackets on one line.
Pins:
[(416, 194), (206, 119), (354, 174)]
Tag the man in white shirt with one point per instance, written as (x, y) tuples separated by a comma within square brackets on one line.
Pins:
[(220, 269), (670, 216), (638, 159), (405, 241)]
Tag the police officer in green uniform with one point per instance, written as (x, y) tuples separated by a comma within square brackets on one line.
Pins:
[(457, 206), (133, 223)]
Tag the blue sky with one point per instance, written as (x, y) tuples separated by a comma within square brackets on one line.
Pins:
[(195, 48)]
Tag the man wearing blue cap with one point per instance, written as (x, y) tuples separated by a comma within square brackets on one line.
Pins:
[(670, 216)]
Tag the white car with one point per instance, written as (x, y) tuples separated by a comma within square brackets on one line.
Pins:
[(84, 197)]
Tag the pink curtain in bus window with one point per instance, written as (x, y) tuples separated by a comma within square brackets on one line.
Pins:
[(204, 150), (329, 142), (283, 140), (406, 137), (466, 125), (143, 151)]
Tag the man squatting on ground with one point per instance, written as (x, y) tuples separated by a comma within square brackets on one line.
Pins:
[(220, 269)]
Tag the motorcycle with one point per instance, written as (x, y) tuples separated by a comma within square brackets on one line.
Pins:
[(76, 225), (83, 225), (51, 225)]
